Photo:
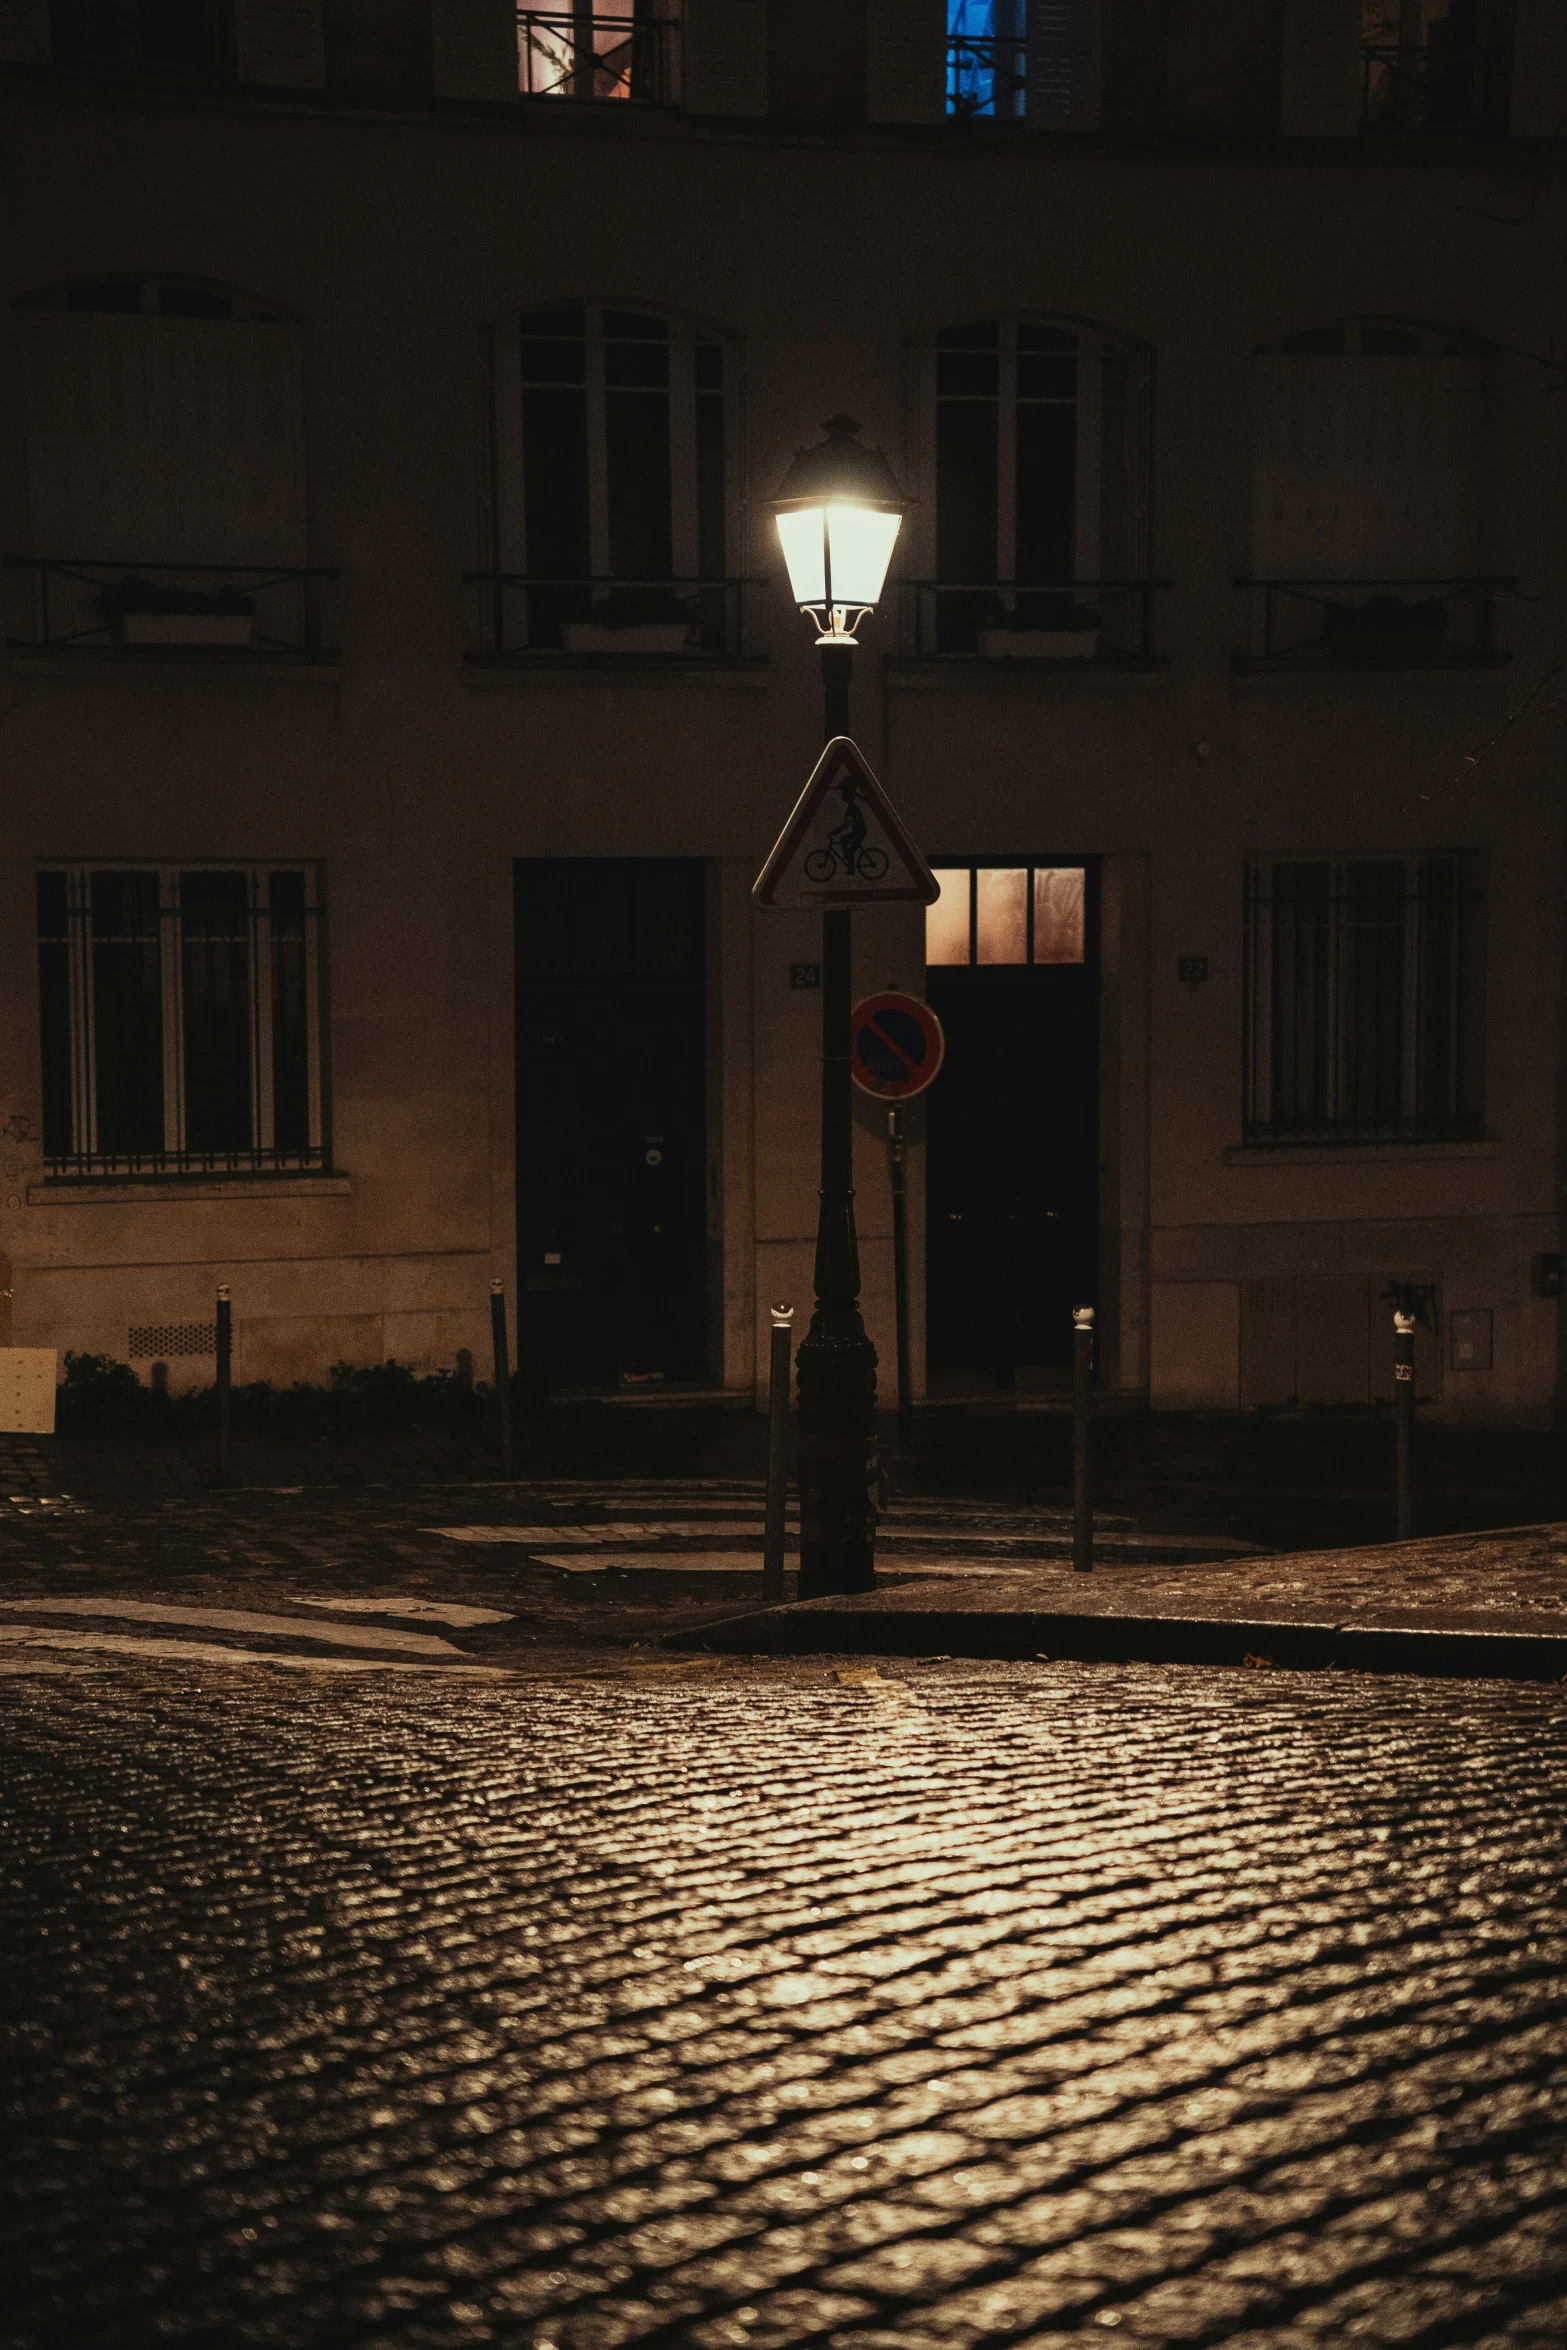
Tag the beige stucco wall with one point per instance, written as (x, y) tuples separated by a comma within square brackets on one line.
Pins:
[(393, 236)]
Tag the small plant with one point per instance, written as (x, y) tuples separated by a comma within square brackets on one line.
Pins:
[(98, 1394)]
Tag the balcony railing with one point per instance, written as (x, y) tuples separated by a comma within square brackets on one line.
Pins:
[(1109, 620), (1375, 623), (519, 613), (263, 611), (987, 78), (1431, 89), (572, 53)]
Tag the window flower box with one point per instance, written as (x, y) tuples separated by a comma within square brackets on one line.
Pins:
[(1039, 644), (645, 636), (188, 628), (146, 612)]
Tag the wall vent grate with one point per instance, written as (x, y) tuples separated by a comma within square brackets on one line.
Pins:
[(157, 1341)]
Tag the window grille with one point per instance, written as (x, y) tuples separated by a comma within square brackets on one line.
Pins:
[(1364, 999), (1424, 66), (181, 1016), (614, 49), (1022, 60)]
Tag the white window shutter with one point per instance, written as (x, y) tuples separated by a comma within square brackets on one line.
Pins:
[(1063, 65), (726, 56), (908, 61), (24, 32), (1321, 96), (277, 44), (1539, 108), (475, 49), (160, 440)]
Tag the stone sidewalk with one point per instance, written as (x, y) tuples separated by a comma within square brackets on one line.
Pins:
[(1489, 1605)]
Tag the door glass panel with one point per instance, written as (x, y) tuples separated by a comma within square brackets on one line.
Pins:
[(1058, 913), (1001, 914), (946, 922)]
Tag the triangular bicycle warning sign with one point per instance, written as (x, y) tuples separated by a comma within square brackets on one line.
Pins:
[(844, 844)]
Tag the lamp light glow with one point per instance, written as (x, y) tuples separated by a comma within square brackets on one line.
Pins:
[(838, 515)]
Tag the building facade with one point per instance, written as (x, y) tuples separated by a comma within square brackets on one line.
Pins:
[(403, 687)]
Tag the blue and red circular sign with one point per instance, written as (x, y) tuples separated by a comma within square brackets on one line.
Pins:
[(895, 1046)]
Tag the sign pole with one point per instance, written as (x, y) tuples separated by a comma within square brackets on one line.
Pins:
[(836, 1362), (900, 1278), (843, 846)]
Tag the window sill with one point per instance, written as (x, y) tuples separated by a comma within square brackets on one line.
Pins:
[(708, 669), (948, 672), (1461, 670), (114, 1191), (101, 661), (1356, 1154)]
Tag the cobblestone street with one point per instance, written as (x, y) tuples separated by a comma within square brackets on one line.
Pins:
[(719, 2003)]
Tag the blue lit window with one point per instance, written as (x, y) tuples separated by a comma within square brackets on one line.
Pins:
[(986, 59)]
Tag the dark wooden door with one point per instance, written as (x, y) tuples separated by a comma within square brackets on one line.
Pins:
[(1013, 1140), (611, 1118)]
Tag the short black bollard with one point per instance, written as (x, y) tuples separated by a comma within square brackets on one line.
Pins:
[(502, 1354), (1082, 1424), (1404, 1417), (225, 1378), (779, 1364)]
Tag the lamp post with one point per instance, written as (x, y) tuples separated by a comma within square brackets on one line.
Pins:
[(838, 514)]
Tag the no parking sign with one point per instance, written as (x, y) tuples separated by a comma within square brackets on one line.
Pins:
[(896, 1045)]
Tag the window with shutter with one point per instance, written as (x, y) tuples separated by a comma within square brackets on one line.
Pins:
[(1063, 64), (476, 49), (1366, 457), (726, 56), (1539, 70), (278, 45), (165, 464), (907, 60), (612, 443), (24, 32), (1321, 95), (1037, 534)]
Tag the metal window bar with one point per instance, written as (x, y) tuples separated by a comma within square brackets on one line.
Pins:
[(1363, 979), (1436, 87), (1380, 622), (259, 609), (521, 612), (235, 1086), (987, 77), (1085, 619), (573, 53)]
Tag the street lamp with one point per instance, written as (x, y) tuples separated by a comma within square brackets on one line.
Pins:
[(838, 514)]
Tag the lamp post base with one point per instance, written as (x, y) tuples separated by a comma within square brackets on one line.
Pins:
[(836, 1367)]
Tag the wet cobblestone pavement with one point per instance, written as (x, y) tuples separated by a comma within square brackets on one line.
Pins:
[(783, 2005)]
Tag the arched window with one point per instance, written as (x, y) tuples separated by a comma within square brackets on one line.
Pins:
[(1035, 444), (1367, 477), (610, 485), (165, 464)]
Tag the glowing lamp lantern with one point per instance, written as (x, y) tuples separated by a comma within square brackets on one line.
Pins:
[(838, 514)]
